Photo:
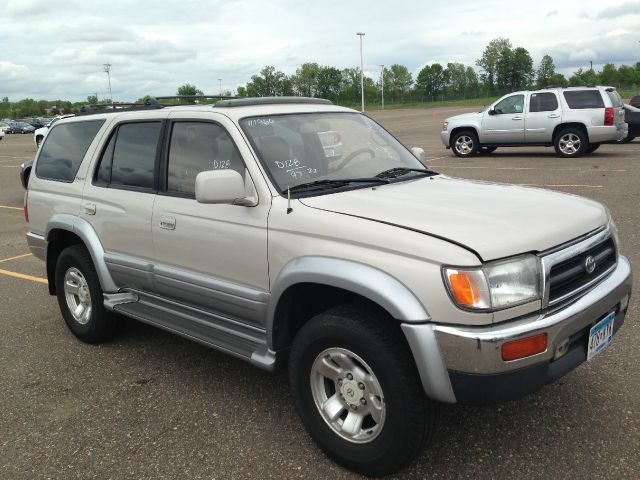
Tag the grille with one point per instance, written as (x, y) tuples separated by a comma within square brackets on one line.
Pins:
[(571, 276)]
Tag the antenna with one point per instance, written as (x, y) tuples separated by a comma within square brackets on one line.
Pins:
[(289, 209)]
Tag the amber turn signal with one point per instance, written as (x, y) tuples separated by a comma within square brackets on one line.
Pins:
[(524, 347)]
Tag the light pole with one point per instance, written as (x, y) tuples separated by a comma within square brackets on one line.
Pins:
[(107, 69), (382, 89), (361, 34), (220, 86)]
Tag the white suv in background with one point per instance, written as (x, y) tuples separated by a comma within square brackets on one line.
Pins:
[(574, 120)]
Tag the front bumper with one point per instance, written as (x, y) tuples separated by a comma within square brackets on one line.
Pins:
[(471, 356), (445, 137)]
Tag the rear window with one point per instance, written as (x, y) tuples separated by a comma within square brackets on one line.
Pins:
[(579, 99), (616, 99), (64, 148)]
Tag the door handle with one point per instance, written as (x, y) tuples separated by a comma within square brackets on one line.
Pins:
[(516, 118), (554, 115), (168, 223), (90, 208)]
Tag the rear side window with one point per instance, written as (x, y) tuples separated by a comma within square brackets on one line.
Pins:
[(64, 148), (130, 156), (543, 102), (579, 99)]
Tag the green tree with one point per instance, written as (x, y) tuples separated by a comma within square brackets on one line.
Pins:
[(269, 83), (521, 73), (305, 80), (558, 80), (242, 91), (456, 78), (472, 83), (328, 83), (545, 72), (92, 99), (609, 75), (398, 80), (491, 60), (430, 80), (188, 89)]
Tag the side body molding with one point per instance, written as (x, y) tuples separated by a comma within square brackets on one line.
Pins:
[(85, 231), (371, 283)]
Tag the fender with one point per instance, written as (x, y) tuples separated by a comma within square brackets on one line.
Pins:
[(84, 230), (369, 282)]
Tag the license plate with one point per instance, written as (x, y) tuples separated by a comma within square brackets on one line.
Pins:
[(600, 335)]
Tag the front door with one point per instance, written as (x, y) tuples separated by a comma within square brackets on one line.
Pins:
[(209, 256), (505, 123)]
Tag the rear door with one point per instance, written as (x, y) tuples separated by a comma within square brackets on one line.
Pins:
[(505, 124), (543, 115), (118, 201)]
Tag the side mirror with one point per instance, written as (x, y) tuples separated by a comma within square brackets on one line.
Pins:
[(492, 111), (419, 154), (222, 186)]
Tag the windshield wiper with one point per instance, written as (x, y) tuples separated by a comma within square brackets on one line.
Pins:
[(334, 183), (399, 171)]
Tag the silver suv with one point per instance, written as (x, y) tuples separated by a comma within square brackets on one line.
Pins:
[(574, 120), (385, 286)]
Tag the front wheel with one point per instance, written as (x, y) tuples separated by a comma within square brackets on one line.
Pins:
[(571, 142), (358, 392), (464, 144)]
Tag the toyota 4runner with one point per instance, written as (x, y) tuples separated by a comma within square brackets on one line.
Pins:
[(386, 286), (574, 120)]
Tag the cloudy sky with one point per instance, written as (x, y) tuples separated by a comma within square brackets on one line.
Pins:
[(55, 49)]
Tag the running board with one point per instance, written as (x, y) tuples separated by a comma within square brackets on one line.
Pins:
[(229, 336)]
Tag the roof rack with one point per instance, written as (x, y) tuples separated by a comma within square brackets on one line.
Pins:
[(247, 101), (153, 103)]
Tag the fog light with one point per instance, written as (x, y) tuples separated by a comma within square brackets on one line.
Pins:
[(524, 347)]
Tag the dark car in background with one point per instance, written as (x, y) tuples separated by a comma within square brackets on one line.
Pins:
[(635, 101), (24, 127), (632, 117)]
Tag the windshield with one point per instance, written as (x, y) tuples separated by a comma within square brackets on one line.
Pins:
[(300, 148)]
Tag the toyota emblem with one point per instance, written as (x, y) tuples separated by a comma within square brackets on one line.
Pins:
[(590, 264)]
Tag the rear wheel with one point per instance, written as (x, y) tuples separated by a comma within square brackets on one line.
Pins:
[(627, 139), (80, 297), (464, 144), (358, 392), (570, 142)]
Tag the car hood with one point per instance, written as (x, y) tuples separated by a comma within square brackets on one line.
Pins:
[(464, 116), (493, 220)]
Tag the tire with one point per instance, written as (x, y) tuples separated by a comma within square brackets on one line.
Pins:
[(592, 148), (487, 150), (627, 139), (464, 144), (362, 340), (93, 324), (570, 142)]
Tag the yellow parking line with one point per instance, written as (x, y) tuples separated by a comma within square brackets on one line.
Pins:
[(15, 258), (11, 208), (23, 276)]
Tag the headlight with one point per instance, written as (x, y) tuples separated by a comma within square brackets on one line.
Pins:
[(495, 285), (445, 126)]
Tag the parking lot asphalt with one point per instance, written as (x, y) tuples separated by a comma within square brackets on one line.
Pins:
[(152, 405)]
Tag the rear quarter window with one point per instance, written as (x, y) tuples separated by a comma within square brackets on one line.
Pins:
[(64, 148), (580, 99), (616, 99)]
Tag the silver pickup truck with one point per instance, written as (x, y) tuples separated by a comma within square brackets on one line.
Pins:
[(575, 121), (386, 288)]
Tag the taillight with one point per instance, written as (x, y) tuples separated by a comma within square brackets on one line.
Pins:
[(608, 116), (26, 206)]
